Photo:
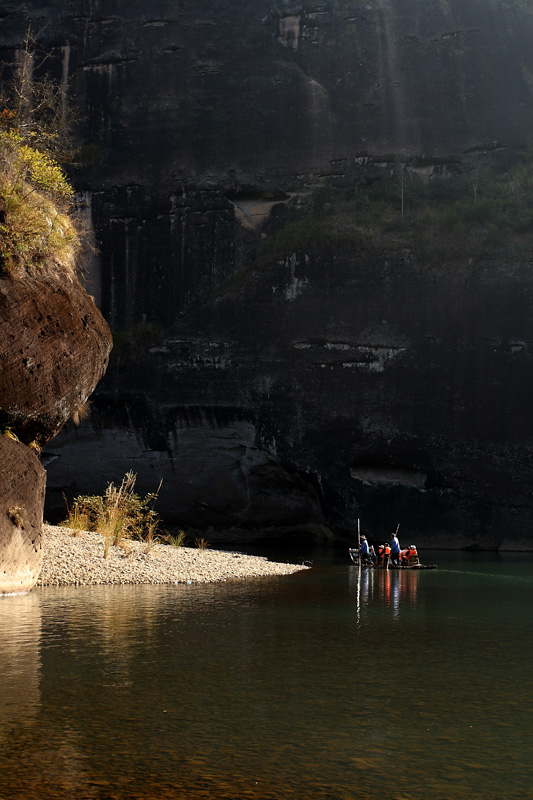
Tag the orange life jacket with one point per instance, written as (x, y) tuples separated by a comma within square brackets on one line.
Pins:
[(387, 551)]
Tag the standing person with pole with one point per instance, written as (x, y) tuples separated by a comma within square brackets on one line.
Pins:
[(364, 552), (395, 548)]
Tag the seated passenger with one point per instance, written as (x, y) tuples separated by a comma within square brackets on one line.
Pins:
[(384, 554)]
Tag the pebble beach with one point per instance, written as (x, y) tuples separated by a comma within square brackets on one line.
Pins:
[(76, 558)]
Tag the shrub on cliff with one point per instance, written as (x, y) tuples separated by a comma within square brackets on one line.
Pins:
[(35, 195), (481, 212), (313, 234), (35, 198), (34, 105)]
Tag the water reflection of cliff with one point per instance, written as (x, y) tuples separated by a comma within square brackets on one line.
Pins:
[(41, 754), (20, 662)]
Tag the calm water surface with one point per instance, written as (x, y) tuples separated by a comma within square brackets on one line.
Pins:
[(328, 685)]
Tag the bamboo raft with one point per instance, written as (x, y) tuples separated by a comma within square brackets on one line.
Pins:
[(354, 555)]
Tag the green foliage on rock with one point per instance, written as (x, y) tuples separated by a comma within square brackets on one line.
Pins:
[(310, 234), (35, 226), (479, 212), (35, 168), (36, 229)]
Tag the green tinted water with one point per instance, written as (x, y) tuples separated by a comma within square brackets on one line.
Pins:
[(327, 684)]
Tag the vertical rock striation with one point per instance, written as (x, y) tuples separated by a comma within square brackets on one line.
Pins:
[(189, 106), (383, 383), (397, 391)]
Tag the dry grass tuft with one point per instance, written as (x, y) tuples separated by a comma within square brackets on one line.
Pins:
[(83, 413), (17, 515), (176, 541), (202, 544), (78, 517), (117, 515)]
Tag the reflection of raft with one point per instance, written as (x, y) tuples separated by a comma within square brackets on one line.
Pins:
[(354, 555)]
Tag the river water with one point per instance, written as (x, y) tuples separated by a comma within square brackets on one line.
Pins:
[(330, 684)]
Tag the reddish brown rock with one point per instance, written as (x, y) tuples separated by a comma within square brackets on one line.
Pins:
[(22, 485), (54, 349)]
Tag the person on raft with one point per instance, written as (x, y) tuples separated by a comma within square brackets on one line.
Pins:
[(365, 551), (395, 550), (409, 556), (383, 554)]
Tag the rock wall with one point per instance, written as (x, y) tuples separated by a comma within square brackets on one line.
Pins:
[(55, 348), (240, 90), (395, 391), (22, 484), (399, 391), (192, 111), (216, 477)]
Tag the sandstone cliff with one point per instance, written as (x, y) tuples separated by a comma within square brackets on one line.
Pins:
[(55, 344), (55, 350), (399, 393), (200, 113), (369, 385)]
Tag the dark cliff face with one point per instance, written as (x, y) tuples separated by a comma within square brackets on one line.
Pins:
[(239, 90), (192, 107), (400, 392), (376, 386)]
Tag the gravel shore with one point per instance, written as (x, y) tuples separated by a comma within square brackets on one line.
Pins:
[(76, 559)]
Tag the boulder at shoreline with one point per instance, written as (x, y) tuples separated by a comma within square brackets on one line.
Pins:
[(23, 481)]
